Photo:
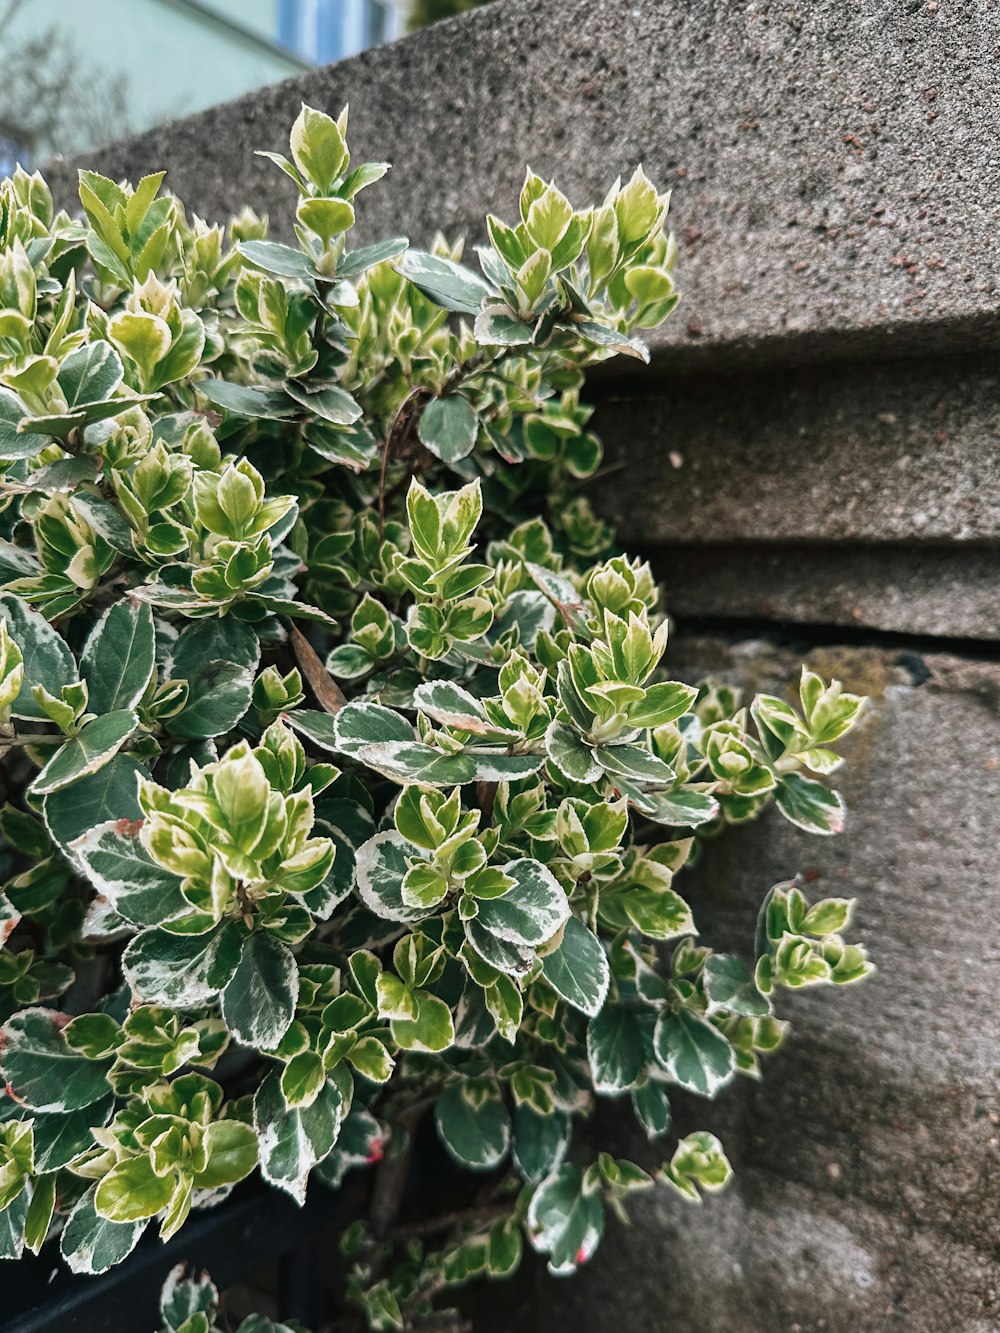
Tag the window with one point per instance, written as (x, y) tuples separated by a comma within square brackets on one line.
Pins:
[(12, 152), (321, 31)]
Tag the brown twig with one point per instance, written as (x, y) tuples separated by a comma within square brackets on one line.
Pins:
[(402, 424), (486, 794), (461, 1217)]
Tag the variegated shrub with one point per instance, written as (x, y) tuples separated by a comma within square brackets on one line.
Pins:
[(344, 783)]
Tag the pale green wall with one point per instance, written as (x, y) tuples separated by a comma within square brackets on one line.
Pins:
[(174, 58)]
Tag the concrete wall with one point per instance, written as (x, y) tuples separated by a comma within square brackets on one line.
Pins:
[(811, 461)]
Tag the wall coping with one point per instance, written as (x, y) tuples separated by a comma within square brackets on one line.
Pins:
[(832, 192)]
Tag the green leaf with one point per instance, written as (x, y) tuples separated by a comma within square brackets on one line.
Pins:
[(318, 148), (91, 374), (566, 1219), (663, 703), (232, 1154), (809, 805), (326, 217), (730, 985), (47, 659), (540, 1141), (91, 1244), (615, 1048), (36, 1224), (381, 864), (370, 1058), (61, 1137), (572, 757), (473, 1124), (532, 911), (14, 444), (698, 1160), (679, 809), (258, 1003), (181, 970), (118, 661), (292, 1142), (97, 743), (302, 1078), (431, 1029), (41, 1070), (693, 1052), (108, 794), (659, 913), (447, 284), (143, 337), (121, 869), (448, 427), (578, 970), (132, 1191)]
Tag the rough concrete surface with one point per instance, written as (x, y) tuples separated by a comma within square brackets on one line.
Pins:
[(831, 164), (943, 591), (868, 1158), (877, 452)]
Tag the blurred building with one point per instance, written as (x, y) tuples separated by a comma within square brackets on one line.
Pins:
[(75, 73)]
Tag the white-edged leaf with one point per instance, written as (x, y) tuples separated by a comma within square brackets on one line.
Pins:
[(446, 283), (578, 970), (809, 805), (473, 1124), (42, 1071), (693, 1052), (258, 1002), (118, 661), (448, 427), (571, 755), (122, 871), (566, 1218), (615, 1048), (91, 1244), (94, 746), (293, 1142), (380, 865), (181, 970), (47, 659)]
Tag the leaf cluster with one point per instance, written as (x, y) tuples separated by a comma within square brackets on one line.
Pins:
[(344, 778)]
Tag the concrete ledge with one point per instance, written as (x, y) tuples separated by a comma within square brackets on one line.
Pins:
[(858, 452), (830, 164), (945, 592)]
